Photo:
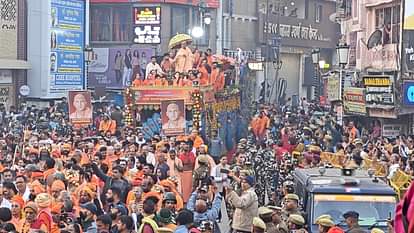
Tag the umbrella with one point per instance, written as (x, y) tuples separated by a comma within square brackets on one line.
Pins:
[(178, 39)]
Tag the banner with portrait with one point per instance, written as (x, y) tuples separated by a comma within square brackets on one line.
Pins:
[(173, 117), (80, 107)]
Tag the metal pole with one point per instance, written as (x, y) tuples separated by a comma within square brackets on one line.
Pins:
[(278, 53), (267, 51)]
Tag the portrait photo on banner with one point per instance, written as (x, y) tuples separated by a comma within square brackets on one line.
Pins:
[(80, 107), (173, 117)]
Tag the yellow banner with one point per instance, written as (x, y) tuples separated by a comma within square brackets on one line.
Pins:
[(360, 198)]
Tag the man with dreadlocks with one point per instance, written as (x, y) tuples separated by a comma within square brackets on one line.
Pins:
[(264, 169)]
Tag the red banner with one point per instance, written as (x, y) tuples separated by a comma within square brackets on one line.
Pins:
[(148, 95), (209, 3)]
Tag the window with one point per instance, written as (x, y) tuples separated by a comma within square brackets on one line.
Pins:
[(388, 20), (180, 20), (318, 13), (348, 7), (355, 8), (111, 23)]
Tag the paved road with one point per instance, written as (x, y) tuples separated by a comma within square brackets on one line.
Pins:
[(224, 224)]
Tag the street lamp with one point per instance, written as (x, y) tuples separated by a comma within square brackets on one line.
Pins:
[(342, 50), (88, 56), (197, 32), (316, 53), (207, 18)]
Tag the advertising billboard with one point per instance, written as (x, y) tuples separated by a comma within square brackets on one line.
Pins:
[(111, 70), (408, 37), (408, 93), (66, 62), (208, 3), (147, 28)]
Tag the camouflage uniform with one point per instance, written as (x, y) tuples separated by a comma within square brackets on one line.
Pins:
[(264, 169), (200, 174)]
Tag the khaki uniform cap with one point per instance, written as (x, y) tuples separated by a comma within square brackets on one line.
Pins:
[(376, 230), (323, 216), (292, 196), (264, 210), (258, 222), (326, 222), (202, 159), (296, 219)]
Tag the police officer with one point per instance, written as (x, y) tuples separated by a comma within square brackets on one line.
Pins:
[(266, 215), (291, 205), (259, 226), (296, 223), (351, 219), (202, 173)]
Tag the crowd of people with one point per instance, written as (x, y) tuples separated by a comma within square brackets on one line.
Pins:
[(110, 178), (182, 68)]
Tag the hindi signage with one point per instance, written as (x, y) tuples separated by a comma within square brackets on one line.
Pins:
[(333, 88), (295, 31), (147, 27), (379, 90), (154, 95), (66, 45), (354, 101)]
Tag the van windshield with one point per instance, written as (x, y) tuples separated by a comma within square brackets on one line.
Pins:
[(370, 208)]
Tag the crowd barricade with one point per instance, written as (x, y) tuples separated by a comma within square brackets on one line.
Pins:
[(400, 181)]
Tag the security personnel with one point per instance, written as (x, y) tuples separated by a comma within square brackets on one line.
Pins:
[(291, 206), (324, 224), (296, 223), (258, 225), (266, 215), (351, 219), (277, 219), (202, 172)]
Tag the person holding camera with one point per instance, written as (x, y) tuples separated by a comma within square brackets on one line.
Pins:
[(203, 212), (246, 205)]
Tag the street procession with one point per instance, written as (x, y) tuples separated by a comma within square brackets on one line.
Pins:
[(207, 116)]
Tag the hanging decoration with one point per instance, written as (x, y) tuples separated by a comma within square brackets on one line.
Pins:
[(197, 106), (128, 115)]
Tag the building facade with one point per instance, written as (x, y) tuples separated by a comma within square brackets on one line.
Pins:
[(372, 30), (142, 29), (295, 27), (13, 57)]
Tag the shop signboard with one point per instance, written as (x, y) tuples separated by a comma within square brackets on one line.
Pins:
[(408, 93), (333, 88), (354, 101), (66, 62), (391, 130), (208, 3), (8, 28), (108, 69), (379, 90)]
